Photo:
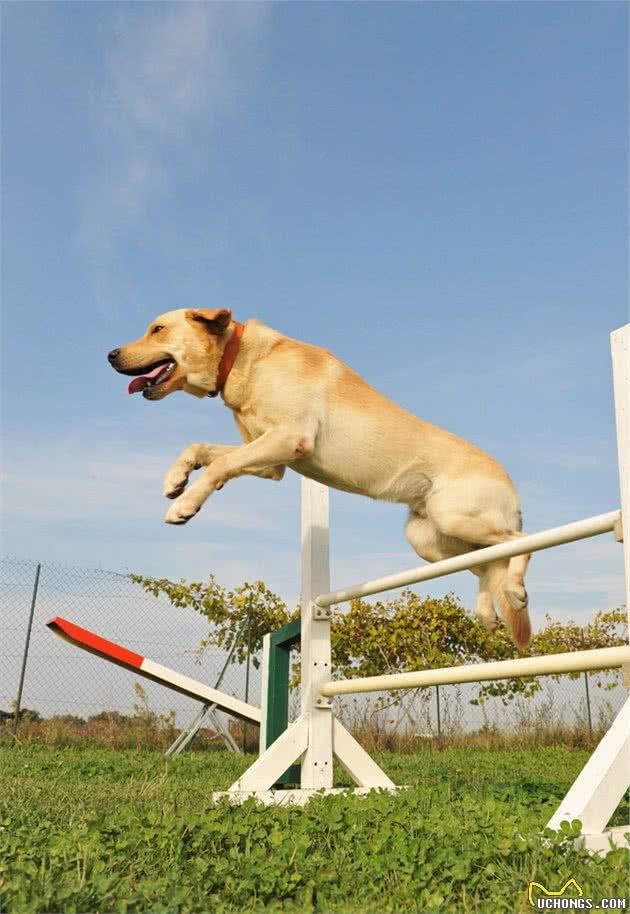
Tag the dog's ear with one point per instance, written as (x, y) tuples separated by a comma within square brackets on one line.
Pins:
[(214, 320)]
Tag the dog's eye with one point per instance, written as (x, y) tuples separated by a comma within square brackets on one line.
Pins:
[(156, 330)]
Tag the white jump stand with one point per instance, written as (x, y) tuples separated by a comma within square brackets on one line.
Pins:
[(316, 737)]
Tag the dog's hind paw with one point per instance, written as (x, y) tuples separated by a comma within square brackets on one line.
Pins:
[(516, 596), (485, 611), (180, 513)]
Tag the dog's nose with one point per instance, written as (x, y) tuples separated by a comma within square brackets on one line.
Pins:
[(112, 356)]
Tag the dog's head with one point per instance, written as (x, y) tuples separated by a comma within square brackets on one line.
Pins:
[(181, 350)]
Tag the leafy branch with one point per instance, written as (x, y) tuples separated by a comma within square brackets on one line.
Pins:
[(409, 632)]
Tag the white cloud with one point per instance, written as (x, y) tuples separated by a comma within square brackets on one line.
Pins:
[(167, 69), (172, 69)]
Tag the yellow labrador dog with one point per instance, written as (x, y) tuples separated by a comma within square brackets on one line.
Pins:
[(297, 405)]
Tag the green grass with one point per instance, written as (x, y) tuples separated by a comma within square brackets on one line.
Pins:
[(104, 830)]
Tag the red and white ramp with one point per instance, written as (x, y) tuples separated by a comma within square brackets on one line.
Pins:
[(142, 666)]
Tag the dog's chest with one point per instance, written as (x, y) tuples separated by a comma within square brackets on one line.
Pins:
[(249, 424)]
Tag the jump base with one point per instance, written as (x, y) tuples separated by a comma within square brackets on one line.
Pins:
[(297, 797), (604, 842)]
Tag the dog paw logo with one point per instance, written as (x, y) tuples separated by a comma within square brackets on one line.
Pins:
[(568, 884)]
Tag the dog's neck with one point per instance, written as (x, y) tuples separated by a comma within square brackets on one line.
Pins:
[(228, 358)]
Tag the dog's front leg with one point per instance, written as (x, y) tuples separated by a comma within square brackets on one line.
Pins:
[(196, 456), (191, 458), (275, 447)]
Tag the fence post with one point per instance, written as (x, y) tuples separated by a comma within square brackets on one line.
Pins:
[(18, 703), (437, 705), (588, 706)]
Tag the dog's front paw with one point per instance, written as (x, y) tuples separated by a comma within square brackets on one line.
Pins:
[(176, 480), (181, 511)]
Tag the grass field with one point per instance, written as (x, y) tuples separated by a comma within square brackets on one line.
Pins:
[(104, 830)]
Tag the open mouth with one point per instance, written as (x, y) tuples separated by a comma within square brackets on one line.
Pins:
[(152, 378)]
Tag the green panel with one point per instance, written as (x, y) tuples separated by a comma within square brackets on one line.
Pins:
[(278, 690), (287, 636)]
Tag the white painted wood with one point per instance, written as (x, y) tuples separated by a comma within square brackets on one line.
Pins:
[(620, 347), (607, 658), (355, 760), (264, 692), (287, 749), (605, 778), (187, 686), (579, 530), (600, 786), (317, 764), (294, 797), (600, 843)]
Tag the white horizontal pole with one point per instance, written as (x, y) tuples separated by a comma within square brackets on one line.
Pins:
[(605, 658), (579, 530)]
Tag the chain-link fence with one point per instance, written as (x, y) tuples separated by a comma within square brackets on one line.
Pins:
[(52, 678), (58, 679)]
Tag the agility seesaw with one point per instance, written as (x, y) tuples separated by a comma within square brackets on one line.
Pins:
[(272, 718), (212, 698)]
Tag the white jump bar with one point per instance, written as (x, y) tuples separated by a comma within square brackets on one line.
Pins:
[(606, 658), (579, 530)]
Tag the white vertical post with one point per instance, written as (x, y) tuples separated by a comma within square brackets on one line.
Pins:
[(317, 763), (264, 693), (620, 346)]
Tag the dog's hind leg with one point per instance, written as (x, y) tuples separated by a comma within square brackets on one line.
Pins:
[(486, 514), (196, 456), (432, 545), (515, 582), (505, 578), (429, 542), (502, 589), (484, 607)]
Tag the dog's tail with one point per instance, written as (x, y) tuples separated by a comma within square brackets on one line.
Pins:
[(517, 620)]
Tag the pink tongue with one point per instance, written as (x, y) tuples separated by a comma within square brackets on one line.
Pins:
[(141, 382)]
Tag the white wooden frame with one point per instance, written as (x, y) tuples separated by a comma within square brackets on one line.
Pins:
[(316, 737)]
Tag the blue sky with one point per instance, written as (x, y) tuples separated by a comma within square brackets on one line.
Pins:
[(437, 192)]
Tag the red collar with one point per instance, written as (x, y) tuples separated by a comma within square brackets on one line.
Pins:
[(228, 358)]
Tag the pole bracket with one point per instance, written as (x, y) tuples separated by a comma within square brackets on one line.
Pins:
[(321, 612), (618, 529)]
